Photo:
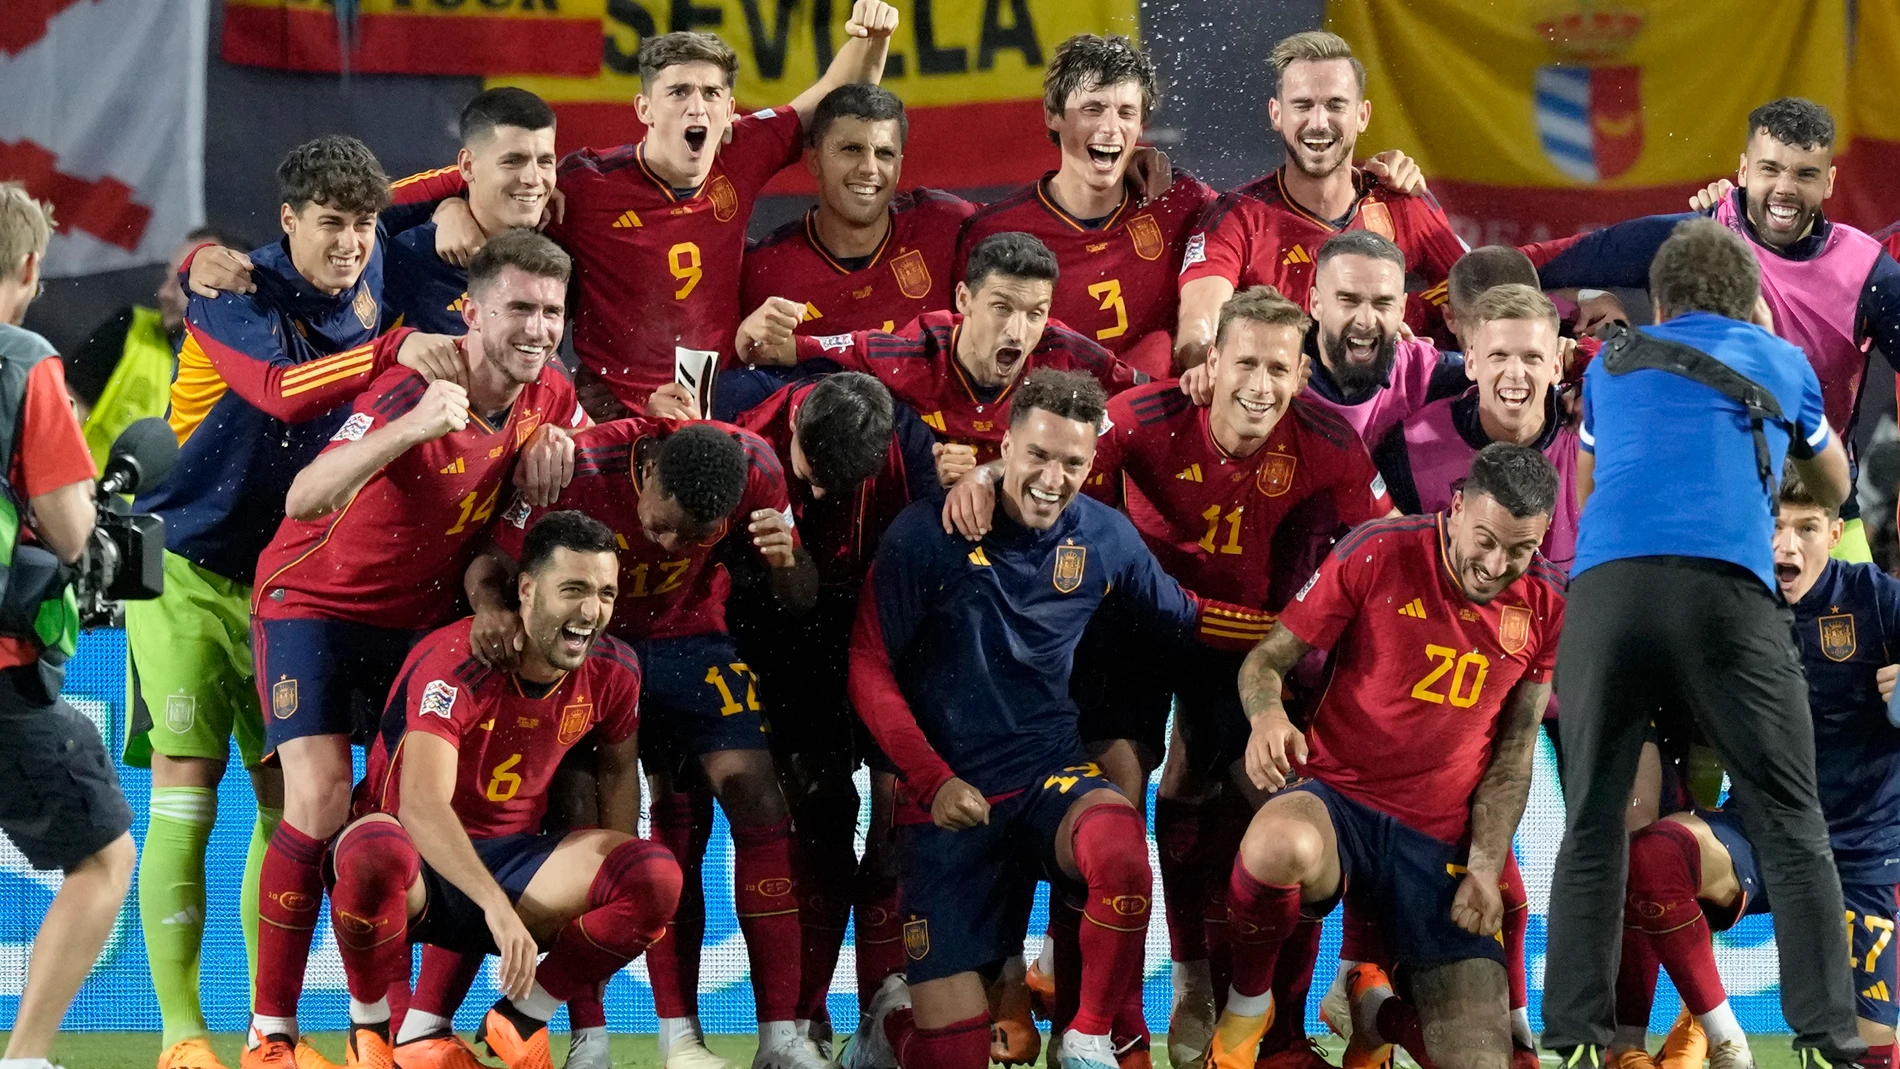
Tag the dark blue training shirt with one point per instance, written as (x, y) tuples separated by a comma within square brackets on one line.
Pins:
[(421, 288), (1675, 461)]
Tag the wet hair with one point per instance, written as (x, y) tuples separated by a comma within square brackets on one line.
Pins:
[(1484, 267), (1793, 121), (683, 46), (844, 429), (503, 106), (1705, 267), (1513, 300), (870, 103), (1011, 253), (521, 249), (336, 171), (1315, 46), (1067, 394), (568, 529), (1263, 305), (1518, 477), (1795, 494), (1089, 61), (1358, 243), (26, 226), (703, 469)]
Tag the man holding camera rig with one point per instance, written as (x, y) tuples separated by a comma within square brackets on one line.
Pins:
[(63, 807)]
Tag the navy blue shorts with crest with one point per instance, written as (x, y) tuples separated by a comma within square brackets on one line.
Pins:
[(325, 677)]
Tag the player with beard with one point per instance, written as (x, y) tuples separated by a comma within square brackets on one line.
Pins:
[(1268, 232), (459, 782), (960, 368), (1385, 794), (1831, 289)]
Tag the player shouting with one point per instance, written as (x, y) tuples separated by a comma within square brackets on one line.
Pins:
[(454, 854)]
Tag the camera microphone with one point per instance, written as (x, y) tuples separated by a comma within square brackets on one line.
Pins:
[(141, 457)]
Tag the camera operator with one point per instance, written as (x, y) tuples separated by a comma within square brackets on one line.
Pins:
[(59, 797)]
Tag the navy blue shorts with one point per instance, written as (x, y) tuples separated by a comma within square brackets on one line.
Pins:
[(451, 920), (803, 663), (1407, 877), (1741, 854), (967, 894), (698, 697), (325, 677)]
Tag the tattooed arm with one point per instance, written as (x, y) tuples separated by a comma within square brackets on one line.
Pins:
[(1496, 808), (1275, 745)]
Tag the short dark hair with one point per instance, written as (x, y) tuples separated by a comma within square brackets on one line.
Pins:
[(684, 46), (1263, 305), (704, 469), (336, 171), (871, 103), (1012, 253), (1794, 121), (1090, 61), (230, 239), (844, 429), (1485, 267), (1359, 243), (566, 529), (1069, 394), (503, 106), (1705, 267), (521, 249), (1518, 477), (1795, 494)]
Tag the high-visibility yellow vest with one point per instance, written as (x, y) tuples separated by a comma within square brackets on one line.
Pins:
[(140, 385)]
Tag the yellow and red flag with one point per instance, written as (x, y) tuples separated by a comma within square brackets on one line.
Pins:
[(1867, 185), (465, 37)]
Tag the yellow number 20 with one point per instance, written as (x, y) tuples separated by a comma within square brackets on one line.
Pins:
[(1449, 661), (1109, 292), (683, 259)]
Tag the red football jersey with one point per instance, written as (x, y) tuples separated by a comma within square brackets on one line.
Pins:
[(394, 556), (510, 734), (657, 269), (1117, 283), (908, 275), (923, 372), (1211, 518), (1419, 672), (1258, 235), (662, 595)]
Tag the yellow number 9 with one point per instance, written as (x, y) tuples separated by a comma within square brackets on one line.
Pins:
[(683, 259)]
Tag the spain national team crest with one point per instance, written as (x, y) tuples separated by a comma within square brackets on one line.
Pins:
[(365, 308), (283, 698), (1070, 560), (1838, 641), (1514, 628), (530, 422), (1589, 103), (1377, 218), (1146, 235), (916, 939), (912, 274), (181, 711), (1276, 474), (725, 199), (576, 717)]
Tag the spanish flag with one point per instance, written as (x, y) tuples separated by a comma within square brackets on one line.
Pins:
[(465, 37)]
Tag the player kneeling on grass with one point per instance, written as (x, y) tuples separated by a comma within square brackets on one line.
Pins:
[(453, 854), (1695, 873), (1442, 631)]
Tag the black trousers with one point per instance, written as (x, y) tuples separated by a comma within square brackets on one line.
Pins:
[(1709, 637)]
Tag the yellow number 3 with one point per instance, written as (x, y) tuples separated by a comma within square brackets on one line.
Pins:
[(1109, 292), (683, 259)]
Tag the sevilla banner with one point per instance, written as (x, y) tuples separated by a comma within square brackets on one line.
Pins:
[(466, 37), (104, 117), (1539, 118), (970, 72)]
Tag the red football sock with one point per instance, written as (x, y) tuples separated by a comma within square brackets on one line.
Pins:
[(1635, 978), (763, 895), (289, 893), (443, 981), (1224, 823), (1178, 850), (374, 864), (1880, 1057), (1292, 980), (1665, 872), (588, 1010), (880, 938), (1262, 917), (1359, 935), (682, 822), (1398, 1023), (962, 1045), (398, 996), (1065, 929), (1111, 854), (1517, 920), (827, 864), (633, 893)]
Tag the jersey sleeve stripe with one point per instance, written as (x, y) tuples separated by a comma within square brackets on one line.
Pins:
[(1358, 535), (324, 366)]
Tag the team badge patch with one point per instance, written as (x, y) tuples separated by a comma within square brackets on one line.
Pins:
[(283, 699), (1196, 251), (1146, 235), (576, 717), (530, 422), (438, 699), (181, 711), (365, 308), (1276, 474), (916, 939), (1377, 218), (1838, 641), (725, 199), (1070, 560), (1514, 628), (912, 273), (353, 428), (517, 513)]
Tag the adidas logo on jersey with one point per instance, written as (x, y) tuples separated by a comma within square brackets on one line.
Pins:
[(978, 558), (627, 219), (1414, 608), (457, 468), (1191, 473), (1296, 255), (812, 312)]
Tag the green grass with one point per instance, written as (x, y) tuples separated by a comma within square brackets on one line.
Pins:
[(139, 1050)]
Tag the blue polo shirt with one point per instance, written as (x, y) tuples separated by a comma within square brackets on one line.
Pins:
[(1675, 460)]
